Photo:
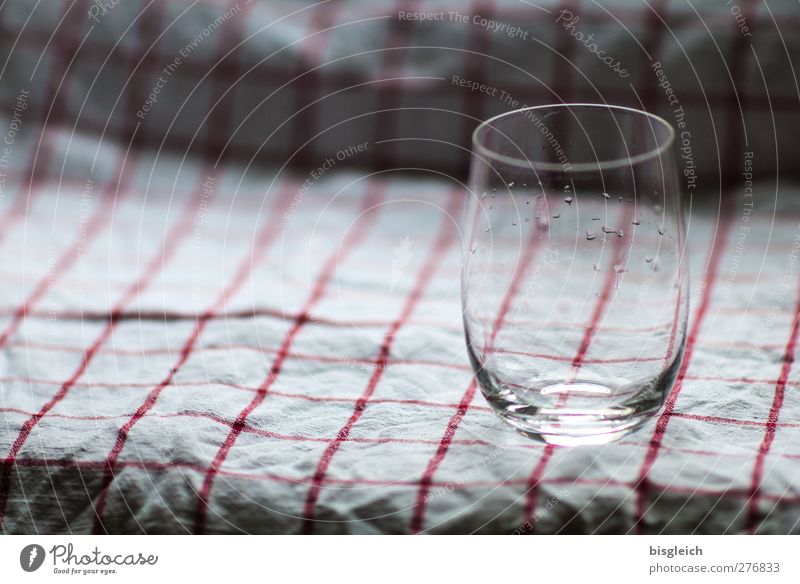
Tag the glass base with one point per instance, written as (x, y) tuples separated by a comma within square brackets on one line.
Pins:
[(574, 428), (577, 411)]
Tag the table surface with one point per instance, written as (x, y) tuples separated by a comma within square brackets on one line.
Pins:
[(216, 360)]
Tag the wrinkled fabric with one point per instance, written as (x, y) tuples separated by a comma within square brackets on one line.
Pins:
[(222, 316)]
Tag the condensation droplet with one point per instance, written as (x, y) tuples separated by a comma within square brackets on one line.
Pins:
[(620, 233), (568, 200), (590, 235), (608, 229), (527, 219), (606, 196), (657, 208), (648, 259), (473, 248), (557, 215), (514, 223), (595, 218), (636, 222), (511, 184), (620, 199), (661, 231)]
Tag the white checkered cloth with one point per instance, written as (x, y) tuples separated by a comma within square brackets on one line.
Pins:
[(232, 349)]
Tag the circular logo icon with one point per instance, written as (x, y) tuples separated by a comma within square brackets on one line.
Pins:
[(31, 557)]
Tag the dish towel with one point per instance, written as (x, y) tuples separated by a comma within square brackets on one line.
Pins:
[(230, 256)]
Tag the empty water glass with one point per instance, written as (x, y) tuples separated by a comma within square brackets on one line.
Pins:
[(574, 279)]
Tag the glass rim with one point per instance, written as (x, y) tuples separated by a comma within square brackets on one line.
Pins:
[(580, 166)]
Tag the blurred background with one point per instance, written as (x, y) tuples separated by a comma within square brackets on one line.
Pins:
[(288, 83), (207, 326)]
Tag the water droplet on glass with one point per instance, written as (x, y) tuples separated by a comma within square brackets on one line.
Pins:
[(596, 269), (606, 196), (590, 235), (636, 222), (511, 184), (568, 200), (618, 271), (567, 187), (527, 219), (657, 208), (557, 215), (620, 233), (483, 196), (661, 231), (542, 222), (527, 202), (595, 218), (620, 199), (488, 229), (648, 259), (473, 248), (608, 229)]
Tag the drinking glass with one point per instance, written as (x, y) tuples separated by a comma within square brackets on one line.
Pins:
[(574, 279)]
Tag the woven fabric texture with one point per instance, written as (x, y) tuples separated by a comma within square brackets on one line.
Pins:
[(230, 248)]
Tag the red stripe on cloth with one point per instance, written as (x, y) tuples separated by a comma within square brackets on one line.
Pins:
[(654, 36), (307, 82), (219, 124), (753, 514), (562, 71), (152, 269), (737, 104), (642, 484), (418, 516), (442, 244), (98, 220), (617, 257), (61, 50), (399, 440), (478, 64), (389, 99), (562, 75), (152, 465), (405, 440), (339, 255), (263, 242)]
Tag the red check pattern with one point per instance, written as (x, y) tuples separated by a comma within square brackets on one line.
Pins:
[(274, 397), (205, 347)]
